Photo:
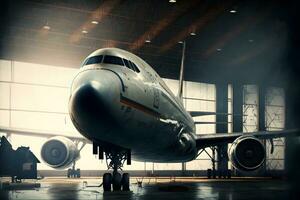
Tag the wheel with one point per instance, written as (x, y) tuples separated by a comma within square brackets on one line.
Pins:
[(209, 173), (69, 173), (125, 182), (229, 174), (107, 178), (117, 181), (78, 173)]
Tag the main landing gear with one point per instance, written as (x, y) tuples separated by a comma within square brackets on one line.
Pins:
[(115, 161)]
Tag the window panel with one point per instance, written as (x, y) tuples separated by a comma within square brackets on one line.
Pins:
[(43, 74), (278, 165), (275, 120), (43, 121), (200, 105), (205, 128), (4, 118), (167, 166), (193, 90), (172, 85), (4, 95), (89, 161), (5, 70), (198, 165), (211, 91), (250, 108), (40, 98), (135, 165)]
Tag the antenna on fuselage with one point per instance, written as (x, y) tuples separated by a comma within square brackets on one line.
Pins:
[(180, 89)]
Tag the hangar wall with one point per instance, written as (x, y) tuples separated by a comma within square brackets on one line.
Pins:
[(34, 96)]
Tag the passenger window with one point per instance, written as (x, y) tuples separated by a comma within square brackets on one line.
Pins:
[(113, 60), (93, 60)]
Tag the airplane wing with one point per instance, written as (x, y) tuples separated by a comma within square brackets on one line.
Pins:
[(201, 113), (37, 133), (205, 113), (207, 140)]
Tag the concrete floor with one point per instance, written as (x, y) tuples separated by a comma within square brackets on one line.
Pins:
[(160, 188)]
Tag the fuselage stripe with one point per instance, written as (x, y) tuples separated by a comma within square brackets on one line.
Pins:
[(139, 107)]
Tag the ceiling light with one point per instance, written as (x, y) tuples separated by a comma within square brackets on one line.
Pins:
[(251, 40), (180, 42), (148, 40), (84, 31), (232, 11), (46, 27), (94, 22), (219, 49), (192, 33), (172, 1)]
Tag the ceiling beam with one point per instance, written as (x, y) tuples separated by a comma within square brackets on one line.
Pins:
[(97, 15), (157, 28), (197, 25), (234, 32)]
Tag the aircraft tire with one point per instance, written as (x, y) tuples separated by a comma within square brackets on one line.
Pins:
[(78, 175), (107, 179), (117, 181), (69, 173), (125, 182)]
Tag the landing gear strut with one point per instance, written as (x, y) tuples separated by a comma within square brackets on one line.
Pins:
[(72, 172), (115, 161)]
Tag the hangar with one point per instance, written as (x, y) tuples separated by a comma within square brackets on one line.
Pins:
[(238, 56)]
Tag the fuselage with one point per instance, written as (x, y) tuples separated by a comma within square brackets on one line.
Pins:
[(117, 99)]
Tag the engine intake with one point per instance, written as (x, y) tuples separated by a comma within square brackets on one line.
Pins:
[(247, 153), (59, 152), (187, 143)]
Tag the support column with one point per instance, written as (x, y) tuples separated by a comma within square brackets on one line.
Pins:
[(183, 169), (237, 104), (262, 116), (261, 108), (222, 125)]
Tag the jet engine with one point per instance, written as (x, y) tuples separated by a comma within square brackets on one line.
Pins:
[(247, 153), (187, 143), (59, 152)]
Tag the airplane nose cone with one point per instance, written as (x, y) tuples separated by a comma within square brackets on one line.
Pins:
[(92, 106)]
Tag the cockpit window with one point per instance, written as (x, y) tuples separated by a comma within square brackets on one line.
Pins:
[(135, 67), (127, 64), (113, 60), (94, 60), (131, 65)]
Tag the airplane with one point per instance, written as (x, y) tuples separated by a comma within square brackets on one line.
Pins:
[(123, 107)]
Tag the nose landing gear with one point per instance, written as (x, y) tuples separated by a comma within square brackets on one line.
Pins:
[(115, 161)]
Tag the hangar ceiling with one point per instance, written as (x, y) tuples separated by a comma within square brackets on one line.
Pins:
[(226, 40)]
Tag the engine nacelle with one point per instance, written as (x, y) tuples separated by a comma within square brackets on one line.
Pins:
[(59, 152), (187, 143), (247, 153)]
